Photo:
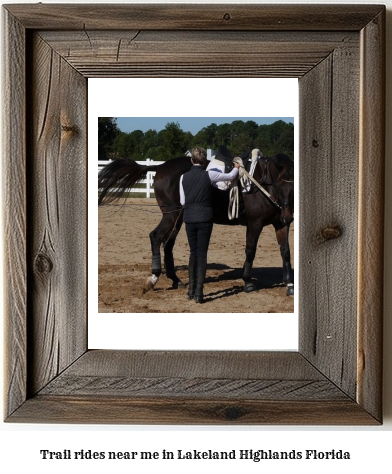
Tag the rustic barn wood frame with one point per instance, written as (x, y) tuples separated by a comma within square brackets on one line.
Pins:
[(337, 53)]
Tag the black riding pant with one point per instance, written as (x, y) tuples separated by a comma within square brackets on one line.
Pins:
[(199, 234)]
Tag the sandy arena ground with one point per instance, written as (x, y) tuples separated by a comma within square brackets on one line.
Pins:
[(125, 263)]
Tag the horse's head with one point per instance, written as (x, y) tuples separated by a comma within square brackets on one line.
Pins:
[(284, 181)]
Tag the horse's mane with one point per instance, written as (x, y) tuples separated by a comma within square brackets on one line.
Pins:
[(285, 165)]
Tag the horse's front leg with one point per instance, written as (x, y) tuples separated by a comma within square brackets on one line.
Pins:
[(282, 236), (253, 231)]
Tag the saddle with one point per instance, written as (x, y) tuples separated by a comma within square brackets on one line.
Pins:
[(246, 158), (225, 157), (225, 160)]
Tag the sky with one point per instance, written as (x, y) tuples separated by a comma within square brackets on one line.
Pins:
[(187, 124)]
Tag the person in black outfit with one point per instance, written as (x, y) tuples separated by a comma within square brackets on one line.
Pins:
[(196, 194)]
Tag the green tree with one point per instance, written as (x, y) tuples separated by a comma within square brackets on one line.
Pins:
[(136, 144), (122, 146), (150, 143), (285, 142), (238, 136), (206, 137), (223, 135), (174, 140), (277, 137), (244, 136), (107, 132)]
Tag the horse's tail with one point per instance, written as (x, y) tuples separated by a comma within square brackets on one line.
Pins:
[(118, 177)]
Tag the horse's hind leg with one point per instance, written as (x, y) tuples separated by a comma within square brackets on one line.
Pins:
[(156, 266), (168, 256), (157, 237), (282, 236)]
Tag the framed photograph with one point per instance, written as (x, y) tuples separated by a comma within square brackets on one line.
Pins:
[(124, 224), (337, 52), (124, 247)]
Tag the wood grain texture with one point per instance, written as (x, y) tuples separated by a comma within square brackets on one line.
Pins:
[(193, 53), (193, 17), (102, 409), (335, 378), (191, 387), (188, 387), (14, 211), (371, 215), (329, 199), (208, 375), (57, 215), (209, 364)]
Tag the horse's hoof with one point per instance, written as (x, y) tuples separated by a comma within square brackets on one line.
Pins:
[(178, 284), (150, 283), (290, 289), (249, 287)]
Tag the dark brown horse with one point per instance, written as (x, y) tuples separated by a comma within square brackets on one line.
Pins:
[(276, 175)]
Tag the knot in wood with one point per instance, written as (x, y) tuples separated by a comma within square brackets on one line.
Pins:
[(232, 412), (69, 128), (227, 16), (43, 264), (315, 143), (328, 233)]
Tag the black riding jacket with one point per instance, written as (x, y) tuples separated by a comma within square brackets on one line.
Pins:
[(198, 196)]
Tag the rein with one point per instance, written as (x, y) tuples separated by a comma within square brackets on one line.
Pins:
[(263, 190), (174, 229), (234, 203), (234, 192)]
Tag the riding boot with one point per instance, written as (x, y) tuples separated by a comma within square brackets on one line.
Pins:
[(201, 275), (192, 277)]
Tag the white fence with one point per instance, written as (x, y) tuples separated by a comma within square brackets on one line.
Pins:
[(148, 183)]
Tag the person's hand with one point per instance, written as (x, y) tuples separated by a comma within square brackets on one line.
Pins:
[(238, 162)]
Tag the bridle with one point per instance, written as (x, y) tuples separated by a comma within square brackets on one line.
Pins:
[(270, 181), (263, 190), (234, 193)]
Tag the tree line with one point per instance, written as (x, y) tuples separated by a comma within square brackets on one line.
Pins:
[(172, 141)]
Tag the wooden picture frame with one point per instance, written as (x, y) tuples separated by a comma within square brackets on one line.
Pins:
[(338, 54)]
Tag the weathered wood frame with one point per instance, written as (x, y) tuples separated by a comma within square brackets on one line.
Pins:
[(337, 52)]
